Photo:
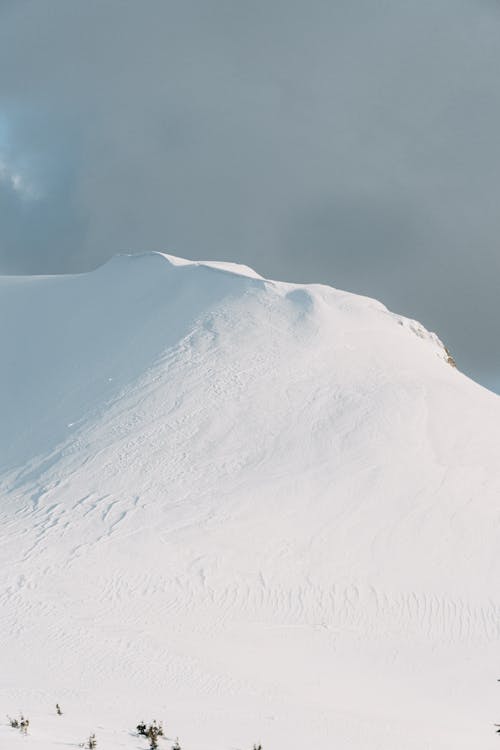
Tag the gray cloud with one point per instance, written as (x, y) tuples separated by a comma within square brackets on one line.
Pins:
[(353, 143), (42, 226)]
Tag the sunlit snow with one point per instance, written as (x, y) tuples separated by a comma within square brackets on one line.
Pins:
[(262, 512)]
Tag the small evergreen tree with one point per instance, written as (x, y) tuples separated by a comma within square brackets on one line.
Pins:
[(152, 734), (176, 745), (91, 742), (23, 725), (58, 709)]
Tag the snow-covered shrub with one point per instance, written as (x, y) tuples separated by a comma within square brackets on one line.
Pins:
[(152, 732), (22, 723)]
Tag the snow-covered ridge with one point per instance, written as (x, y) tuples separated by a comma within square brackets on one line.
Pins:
[(236, 268), (259, 511), (90, 335), (239, 269)]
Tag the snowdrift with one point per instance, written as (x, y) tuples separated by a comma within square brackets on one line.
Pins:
[(258, 511)]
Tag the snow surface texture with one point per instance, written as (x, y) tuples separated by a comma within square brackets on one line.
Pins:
[(258, 511)]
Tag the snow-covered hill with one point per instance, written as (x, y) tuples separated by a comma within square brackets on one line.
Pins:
[(259, 511)]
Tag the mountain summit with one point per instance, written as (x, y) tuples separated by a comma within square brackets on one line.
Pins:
[(263, 511)]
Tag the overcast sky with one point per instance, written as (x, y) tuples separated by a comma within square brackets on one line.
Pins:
[(350, 142)]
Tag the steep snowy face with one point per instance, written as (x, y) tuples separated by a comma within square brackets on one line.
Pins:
[(71, 343), (283, 496)]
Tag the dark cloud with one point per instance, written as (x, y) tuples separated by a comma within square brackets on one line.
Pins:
[(353, 143), (42, 227), (39, 236)]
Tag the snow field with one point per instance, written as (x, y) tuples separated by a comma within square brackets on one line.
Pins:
[(258, 511)]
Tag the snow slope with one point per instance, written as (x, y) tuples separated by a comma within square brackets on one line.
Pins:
[(260, 511)]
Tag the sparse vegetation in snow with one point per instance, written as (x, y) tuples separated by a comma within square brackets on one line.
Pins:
[(22, 723)]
